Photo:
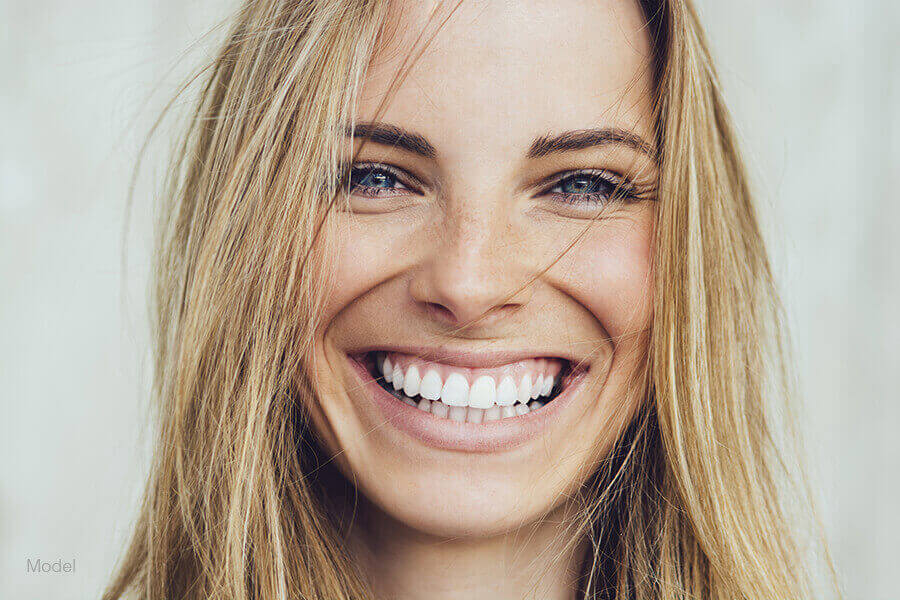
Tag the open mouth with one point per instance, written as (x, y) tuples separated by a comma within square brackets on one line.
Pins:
[(471, 395)]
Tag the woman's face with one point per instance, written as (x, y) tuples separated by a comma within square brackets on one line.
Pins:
[(493, 262)]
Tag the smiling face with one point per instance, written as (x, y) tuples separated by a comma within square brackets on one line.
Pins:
[(467, 379)]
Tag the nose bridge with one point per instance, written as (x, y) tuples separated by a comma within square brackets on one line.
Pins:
[(473, 268)]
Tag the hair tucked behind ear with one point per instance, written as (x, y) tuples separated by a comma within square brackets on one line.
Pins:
[(689, 505)]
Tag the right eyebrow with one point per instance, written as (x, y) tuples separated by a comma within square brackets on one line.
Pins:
[(415, 143), (391, 135)]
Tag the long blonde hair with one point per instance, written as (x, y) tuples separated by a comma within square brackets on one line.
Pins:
[(693, 500)]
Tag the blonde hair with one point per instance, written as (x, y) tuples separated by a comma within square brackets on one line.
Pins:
[(690, 503)]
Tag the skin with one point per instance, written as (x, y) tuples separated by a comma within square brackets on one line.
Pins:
[(417, 265)]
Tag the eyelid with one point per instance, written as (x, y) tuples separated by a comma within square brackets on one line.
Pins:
[(404, 176), (556, 178), (618, 180)]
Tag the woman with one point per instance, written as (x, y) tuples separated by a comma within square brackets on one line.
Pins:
[(464, 300)]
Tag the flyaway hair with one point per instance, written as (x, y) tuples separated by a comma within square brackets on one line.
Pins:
[(693, 502)]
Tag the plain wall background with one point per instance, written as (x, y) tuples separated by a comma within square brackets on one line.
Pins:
[(814, 90)]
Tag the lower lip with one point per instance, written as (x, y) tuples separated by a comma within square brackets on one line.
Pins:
[(437, 432)]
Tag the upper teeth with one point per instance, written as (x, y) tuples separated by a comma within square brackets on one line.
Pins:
[(455, 389)]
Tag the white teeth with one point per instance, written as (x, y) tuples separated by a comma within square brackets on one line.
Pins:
[(387, 369), (397, 378), (455, 391), (411, 382), (455, 399), (506, 392), (439, 409), (493, 414), (483, 392), (525, 389), (431, 385), (548, 385), (463, 414), (458, 413)]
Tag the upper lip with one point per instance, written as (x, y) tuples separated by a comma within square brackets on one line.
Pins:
[(462, 358)]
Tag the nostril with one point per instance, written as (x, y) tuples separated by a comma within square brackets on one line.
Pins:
[(440, 312)]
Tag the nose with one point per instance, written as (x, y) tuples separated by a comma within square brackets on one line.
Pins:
[(475, 273)]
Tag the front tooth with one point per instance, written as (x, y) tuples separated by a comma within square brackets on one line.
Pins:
[(458, 413), (507, 392), (431, 385), (536, 389), (397, 378), (548, 385), (525, 389), (475, 415), (455, 391), (522, 409), (424, 405), (411, 382), (387, 369), (508, 411), (493, 414), (483, 392)]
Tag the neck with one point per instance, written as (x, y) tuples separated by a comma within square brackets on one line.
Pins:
[(537, 561)]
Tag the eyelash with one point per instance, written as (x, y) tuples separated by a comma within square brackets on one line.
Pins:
[(368, 168), (622, 188)]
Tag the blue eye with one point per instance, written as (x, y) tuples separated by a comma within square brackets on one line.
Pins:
[(374, 180), (591, 186)]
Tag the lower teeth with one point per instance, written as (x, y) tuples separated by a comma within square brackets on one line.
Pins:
[(467, 414)]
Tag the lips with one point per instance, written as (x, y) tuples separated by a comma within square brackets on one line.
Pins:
[(446, 409)]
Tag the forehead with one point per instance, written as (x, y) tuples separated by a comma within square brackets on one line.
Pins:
[(503, 70)]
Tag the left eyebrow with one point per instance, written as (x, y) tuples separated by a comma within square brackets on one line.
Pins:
[(391, 135), (580, 139)]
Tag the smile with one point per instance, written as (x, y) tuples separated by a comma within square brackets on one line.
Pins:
[(470, 402), (472, 395)]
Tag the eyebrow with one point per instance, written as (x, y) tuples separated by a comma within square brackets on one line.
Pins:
[(586, 138), (579, 139), (391, 135)]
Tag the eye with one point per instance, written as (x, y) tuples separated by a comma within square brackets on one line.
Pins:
[(591, 186), (376, 180)]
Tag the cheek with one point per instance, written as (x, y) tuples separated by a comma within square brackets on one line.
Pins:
[(360, 256), (609, 272)]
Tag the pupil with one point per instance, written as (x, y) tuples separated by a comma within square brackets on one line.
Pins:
[(373, 178), (582, 185)]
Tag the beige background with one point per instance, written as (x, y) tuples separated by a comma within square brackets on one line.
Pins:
[(814, 86)]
